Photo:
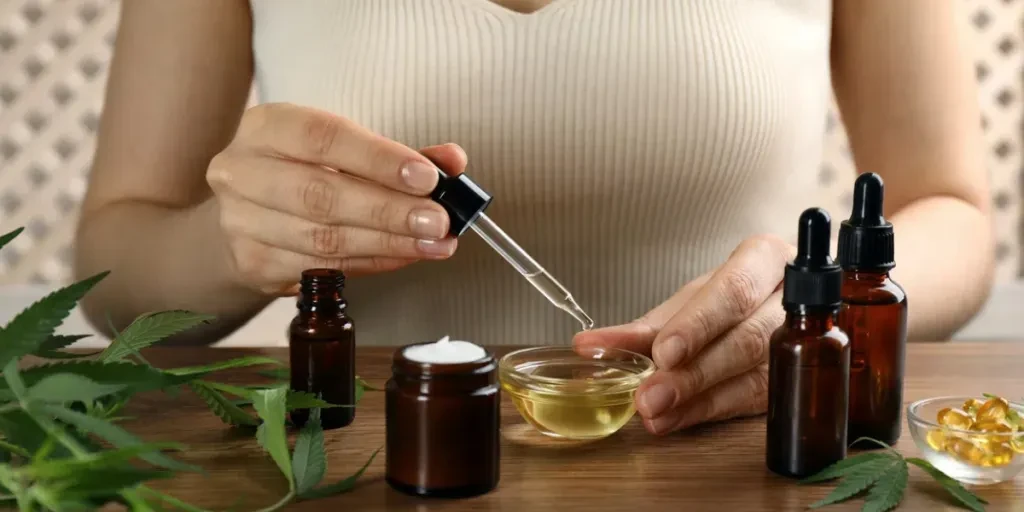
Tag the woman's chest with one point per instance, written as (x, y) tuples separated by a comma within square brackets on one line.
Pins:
[(659, 100)]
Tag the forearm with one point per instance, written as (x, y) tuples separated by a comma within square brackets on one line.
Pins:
[(944, 261), (161, 258)]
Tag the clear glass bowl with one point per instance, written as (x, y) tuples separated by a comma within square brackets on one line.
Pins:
[(972, 457), (574, 393)]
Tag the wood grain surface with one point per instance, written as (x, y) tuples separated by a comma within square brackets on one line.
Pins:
[(714, 467)]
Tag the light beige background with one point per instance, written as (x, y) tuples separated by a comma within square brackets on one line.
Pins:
[(53, 60)]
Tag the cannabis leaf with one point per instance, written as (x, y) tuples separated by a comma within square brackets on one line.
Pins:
[(344, 485), (270, 405), (68, 387), (111, 433), (239, 362), (225, 409), (884, 476), (149, 329), (969, 499), (856, 479), (6, 238), (50, 348), (28, 329), (309, 461)]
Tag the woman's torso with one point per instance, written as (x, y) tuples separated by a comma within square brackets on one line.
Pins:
[(629, 145)]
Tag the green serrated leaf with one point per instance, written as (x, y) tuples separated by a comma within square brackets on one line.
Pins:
[(856, 481), (967, 498), (304, 400), (276, 373), (309, 461), (366, 385), (238, 391), (343, 486), (21, 430), (27, 331), (50, 349), (7, 237), (844, 466), (270, 405), (888, 492), (149, 329), (111, 433), (63, 468), (239, 362), (107, 482), (224, 409), (137, 377), (68, 387)]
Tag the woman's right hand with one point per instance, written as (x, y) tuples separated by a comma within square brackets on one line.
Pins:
[(299, 188)]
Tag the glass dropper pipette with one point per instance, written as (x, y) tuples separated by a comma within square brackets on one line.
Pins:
[(465, 203)]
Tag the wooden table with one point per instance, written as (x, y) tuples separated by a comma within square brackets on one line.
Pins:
[(716, 467)]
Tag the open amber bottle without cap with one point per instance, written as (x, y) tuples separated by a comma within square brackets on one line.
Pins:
[(442, 409), (809, 361), (873, 315), (322, 348)]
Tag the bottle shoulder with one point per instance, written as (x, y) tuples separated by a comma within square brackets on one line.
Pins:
[(873, 292)]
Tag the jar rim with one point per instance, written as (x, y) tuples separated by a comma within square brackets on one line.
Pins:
[(914, 416), (641, 366), (402, 364)]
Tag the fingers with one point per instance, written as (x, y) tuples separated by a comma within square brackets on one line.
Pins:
[(276, 270), (638, 335), (743, 395), (308, 135), (326, 197), (450, 158), (295, 234), (736, 290), (739, 350)]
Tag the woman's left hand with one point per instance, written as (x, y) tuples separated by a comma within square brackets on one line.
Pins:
[(709, 340)]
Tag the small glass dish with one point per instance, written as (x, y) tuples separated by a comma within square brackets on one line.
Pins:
[(970, 456), (574, 393)]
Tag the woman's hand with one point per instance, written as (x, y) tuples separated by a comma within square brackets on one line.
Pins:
[(709, 340), (298, 188)]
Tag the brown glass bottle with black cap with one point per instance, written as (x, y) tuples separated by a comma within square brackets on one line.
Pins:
[(809, 360), (322, 348), (873, 315)]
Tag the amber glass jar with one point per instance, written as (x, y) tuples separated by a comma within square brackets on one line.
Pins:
[(442, 427)]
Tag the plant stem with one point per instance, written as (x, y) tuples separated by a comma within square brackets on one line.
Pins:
[(13, 448), (277, 506)]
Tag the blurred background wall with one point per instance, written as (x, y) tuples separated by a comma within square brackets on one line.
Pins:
[(53, 61)]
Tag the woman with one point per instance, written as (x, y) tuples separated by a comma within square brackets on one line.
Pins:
[(653, 155)]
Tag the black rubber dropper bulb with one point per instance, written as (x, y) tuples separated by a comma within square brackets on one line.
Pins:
[(809, 360), (812, 279), (874, 316), (866, 238)]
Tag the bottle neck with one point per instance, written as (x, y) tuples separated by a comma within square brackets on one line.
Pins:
[(866, 276), (811, 320), (322, 302)]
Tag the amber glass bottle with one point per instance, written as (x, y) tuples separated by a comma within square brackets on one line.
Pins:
[(874, 316), (322, 344), (443, 427), (809, 361)]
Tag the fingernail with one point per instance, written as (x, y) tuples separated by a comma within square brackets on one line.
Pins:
[(661, 425), (668, 353), (442, 248), (428, 223), (655, 400), (420, 176)]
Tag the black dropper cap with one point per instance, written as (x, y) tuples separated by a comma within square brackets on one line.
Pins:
[(866, 239), (813, 279), (462, 198)]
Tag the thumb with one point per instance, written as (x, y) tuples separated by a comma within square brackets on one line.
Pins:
[(450, 158), (638, 336)]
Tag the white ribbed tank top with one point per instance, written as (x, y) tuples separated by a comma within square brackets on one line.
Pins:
[(629, 145)]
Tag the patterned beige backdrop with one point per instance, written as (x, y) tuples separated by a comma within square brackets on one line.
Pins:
[(53, 60)]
